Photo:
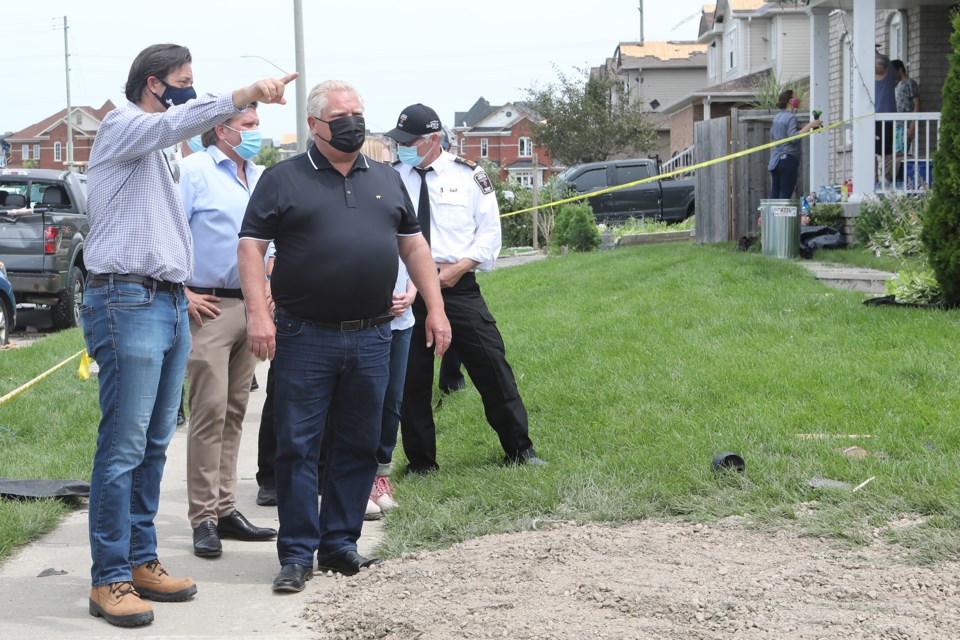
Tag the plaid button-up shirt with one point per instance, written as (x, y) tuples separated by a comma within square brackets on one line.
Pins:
[(137, 222)]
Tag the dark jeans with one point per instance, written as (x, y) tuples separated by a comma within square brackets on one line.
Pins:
[(326, 380), (480, 345), (784, 177)]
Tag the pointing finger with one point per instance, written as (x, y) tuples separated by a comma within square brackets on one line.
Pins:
[(289, 78)]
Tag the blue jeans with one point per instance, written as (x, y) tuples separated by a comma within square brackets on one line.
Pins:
[(390, 423), (320, 371), (140, 339)]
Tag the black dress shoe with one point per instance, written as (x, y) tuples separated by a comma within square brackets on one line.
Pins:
[(206, 542), (237, 526), (292, 577), (412, 471), (267, 496), (527, 456), (348, 563)]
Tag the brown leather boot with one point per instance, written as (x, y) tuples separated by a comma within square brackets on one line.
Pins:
[(119, 604), (153, 582)]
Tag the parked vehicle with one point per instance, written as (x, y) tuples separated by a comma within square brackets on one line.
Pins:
[(43, 222), (8, 307), (671, 200)]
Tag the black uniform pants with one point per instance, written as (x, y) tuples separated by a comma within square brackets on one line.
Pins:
[(480, 346)]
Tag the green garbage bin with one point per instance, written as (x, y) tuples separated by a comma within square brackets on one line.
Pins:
[(780, 228)]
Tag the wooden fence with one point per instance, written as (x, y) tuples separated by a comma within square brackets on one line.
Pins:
[(729, 193)]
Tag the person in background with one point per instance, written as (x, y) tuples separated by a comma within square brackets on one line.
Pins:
[(784, 162), (451, 377), (138, 253), (885, 101), (461, 221), (908, 101), (215, 185), (338, 222)]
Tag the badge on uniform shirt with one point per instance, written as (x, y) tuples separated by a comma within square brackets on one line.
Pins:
[(483, 181)]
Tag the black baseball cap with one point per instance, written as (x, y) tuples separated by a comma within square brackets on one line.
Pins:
[(415, 121)]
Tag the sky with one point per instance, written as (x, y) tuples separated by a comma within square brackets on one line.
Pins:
[(443, 54)]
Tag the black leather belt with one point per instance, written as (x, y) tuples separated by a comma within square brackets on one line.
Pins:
[(100, 279), (221, 293), (346, 325)]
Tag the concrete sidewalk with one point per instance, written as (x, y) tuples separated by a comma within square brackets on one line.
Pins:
[(234, 598)]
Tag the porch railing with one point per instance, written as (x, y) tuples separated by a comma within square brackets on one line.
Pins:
[(905, 146), (686, 158)]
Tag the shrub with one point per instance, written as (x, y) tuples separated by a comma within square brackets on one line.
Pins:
[(891, 211), (576, 228), (827, 214), (941, 233)]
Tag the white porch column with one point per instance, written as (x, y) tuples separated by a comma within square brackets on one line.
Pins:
[(864, 53), (820, 97), (706, 108)]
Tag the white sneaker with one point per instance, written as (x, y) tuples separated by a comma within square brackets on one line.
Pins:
[(382, 494), (373, 512)]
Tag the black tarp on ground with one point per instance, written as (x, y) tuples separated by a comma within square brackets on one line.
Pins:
[(15, 488)]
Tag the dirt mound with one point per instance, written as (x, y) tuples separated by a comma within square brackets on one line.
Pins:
[(644, 580)]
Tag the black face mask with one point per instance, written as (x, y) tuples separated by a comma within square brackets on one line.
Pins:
[(347, 133)]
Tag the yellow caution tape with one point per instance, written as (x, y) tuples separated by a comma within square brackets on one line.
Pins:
[(682, 170), (24, 387)]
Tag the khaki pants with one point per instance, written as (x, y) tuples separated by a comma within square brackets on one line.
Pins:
[(220, 370)]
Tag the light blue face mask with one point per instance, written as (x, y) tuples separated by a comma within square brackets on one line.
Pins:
[(195, 144), (250, 143), (409, 155)]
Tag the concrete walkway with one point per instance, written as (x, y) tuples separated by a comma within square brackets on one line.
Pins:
[(849, 278), (234, 598)]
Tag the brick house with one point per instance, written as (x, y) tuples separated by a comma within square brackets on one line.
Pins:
[(46, 141), (502, 135)]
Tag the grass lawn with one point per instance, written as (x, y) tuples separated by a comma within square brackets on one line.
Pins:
[(637, 366), (861, 257), (49, 431)]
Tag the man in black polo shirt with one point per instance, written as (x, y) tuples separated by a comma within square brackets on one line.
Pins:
[(338, 221)]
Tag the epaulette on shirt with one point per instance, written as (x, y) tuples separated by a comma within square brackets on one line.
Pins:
[(469, 163), (480, 177)]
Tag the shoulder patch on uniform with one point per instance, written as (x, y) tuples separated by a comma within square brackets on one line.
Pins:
[(469, 163), (483, 181)]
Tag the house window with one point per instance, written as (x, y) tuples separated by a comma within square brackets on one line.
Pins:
[(36, 151), (483, 147), (57, 151), (731, 47), (525, 178), (463, 145), (525, 149), (897, 37), (712, 61), (25, 152)]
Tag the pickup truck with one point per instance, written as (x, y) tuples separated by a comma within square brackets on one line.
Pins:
[(43, 221), (671, 200)]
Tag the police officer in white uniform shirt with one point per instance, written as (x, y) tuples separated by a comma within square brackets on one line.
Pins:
[(459, 217)]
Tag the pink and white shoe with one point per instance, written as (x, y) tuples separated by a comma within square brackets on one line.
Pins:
[(382, 494), (373, 511)]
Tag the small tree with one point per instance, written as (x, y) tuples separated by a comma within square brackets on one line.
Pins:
[(941, 231), (589, 119), (267, 157), (576, 228)]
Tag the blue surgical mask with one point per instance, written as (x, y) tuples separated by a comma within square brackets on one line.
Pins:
[(195, 144), (250, 142), (174, 96), (409, 155)]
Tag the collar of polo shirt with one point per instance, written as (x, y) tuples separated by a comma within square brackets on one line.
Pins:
[(319, 161)]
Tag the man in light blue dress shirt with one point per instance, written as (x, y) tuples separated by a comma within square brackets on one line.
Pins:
[(138, 254), (215, 185)]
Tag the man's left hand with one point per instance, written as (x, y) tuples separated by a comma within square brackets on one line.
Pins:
[(450, 274)]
